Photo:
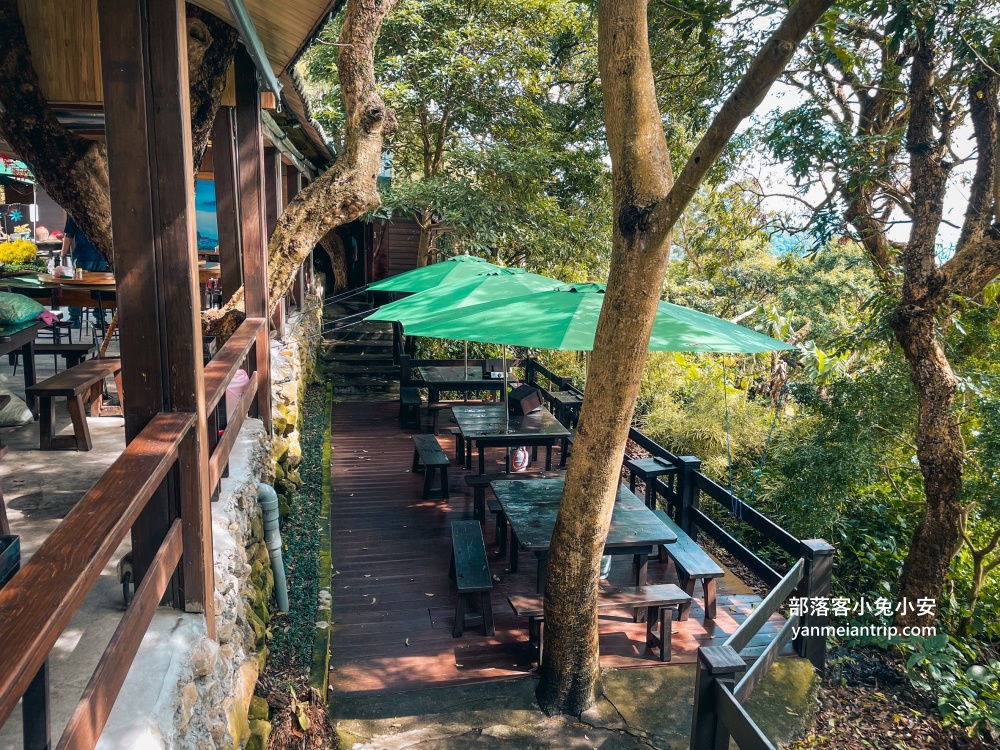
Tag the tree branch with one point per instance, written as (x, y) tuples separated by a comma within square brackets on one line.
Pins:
[(769, 63)]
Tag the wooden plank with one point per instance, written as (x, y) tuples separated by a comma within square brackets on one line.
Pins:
[(227, 201), (250, 147), (759, 668), (41, 599), (746, 632), (472, 570), (64, 51), (77, 379), (741, 726), (688, 555), (91, 713), (220, 371), (220, 456)]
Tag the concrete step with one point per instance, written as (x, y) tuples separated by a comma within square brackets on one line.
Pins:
[(374, 346), (361, 387)]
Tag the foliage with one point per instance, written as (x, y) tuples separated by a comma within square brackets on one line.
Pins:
[(968, 694), (18, 251)]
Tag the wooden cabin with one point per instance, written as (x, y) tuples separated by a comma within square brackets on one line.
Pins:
[(118, 70)]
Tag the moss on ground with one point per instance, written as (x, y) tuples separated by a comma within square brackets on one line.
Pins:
[(294, 633)]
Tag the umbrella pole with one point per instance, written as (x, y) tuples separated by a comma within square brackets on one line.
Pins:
[(466, 360), (506, 409)]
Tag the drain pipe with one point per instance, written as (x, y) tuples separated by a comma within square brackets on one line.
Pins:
[(268, 500)]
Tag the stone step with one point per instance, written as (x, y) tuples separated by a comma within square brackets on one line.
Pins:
[(362, 368), (356, 358), (360, 388), (349, 398)]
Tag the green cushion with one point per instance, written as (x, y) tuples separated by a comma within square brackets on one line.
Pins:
[(16, 308)]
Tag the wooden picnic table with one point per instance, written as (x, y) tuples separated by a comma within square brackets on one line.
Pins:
[(567, 406), (489, 426), (441, 378), (22, 336), (531, 507)]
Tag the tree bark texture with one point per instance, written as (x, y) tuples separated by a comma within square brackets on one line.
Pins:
[(647, 205), (348, 189), (926, 293), (72, 169), (335, 250), (426, 239)]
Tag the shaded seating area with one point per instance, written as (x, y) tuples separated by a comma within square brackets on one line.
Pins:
[(395, 608)]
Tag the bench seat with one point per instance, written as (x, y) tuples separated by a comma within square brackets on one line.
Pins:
[(659, 600), (470, 571), (76, 383), (429, 457), (74, 354), (693, 564)]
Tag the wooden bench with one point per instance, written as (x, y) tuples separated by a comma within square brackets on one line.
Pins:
[(74, 354), (470, 571), (76, 384), (429, 457), (659, 601), (409, 408), (693, 564)]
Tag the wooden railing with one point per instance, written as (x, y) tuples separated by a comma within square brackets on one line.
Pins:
[(40, 600), (718, 702)]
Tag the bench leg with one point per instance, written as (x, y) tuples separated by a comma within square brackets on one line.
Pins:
[(46, 423), (459, 626), (96, 398), (444, 483), (501, 533), (479, 504), (428, 481), (631, 482), (709, 586), (415, 467), (487, 606), (666, 625), (687, 584), (540, 634), (118, 387), (81, 431)]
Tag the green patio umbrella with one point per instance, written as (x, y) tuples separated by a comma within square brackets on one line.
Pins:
[(489, 285), (566, 318), (428, 277)]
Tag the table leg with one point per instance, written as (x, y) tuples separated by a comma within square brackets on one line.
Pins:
[(631, 482), (651, 493), (482, 458), (543, 563), (563, 452), (641, 564), (28, 356), (548, 457), (468, 455), (514, 547)]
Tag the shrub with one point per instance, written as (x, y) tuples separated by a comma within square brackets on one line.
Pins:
[(18, 251)]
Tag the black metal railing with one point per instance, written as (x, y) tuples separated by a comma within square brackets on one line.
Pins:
[(719, 698)]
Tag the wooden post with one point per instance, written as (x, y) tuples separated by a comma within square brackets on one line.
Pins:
[(250, 148), (688, 494), (815, 584), (272, 187), (715, 664), (227, 200), (147, 113)]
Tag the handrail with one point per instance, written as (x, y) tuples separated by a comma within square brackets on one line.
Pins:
[(759, 668), (749, 628), (738, 721), (41, 599), (220, 371), (92, 712)]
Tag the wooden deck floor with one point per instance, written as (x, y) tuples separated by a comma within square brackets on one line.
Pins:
[(393, 601)]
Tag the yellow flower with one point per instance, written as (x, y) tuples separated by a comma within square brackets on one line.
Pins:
[(18, 251)]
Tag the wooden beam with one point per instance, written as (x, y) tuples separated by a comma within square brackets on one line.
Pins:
[(227, 201), (250, 147), (147, 115)]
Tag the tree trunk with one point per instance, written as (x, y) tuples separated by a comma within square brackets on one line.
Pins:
[(74, 170), (334, 247), (348, 189), (941, 455), (570, 681), (425, 241), (646, 207)]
